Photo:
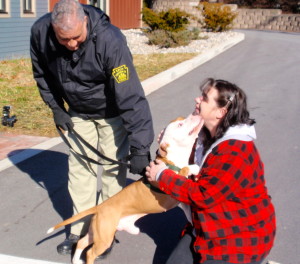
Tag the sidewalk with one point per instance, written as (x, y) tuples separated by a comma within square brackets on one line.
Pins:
[(16, 148), (5, 259), (11, 144)]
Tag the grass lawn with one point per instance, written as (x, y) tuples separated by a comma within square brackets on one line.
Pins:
[(18, 89)]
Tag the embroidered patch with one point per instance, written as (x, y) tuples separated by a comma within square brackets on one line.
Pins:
[(121, 74)]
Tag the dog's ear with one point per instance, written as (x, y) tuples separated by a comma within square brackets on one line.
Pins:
[(161, 135), (178, 119), (163, 149)]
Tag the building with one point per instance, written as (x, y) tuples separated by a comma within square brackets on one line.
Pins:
[(17, 17)]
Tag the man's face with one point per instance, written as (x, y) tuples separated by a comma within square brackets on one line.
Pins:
[(72, 38)]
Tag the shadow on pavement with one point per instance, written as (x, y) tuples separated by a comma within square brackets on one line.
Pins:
[(49, 170), (165, 230)]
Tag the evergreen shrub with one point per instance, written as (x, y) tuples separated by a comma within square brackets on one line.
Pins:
[(171, 20), (217, 17), (168, 28), (168, 39)]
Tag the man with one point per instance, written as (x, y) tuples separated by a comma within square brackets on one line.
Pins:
[(81, 60)]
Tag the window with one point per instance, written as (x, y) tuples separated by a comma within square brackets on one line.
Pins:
[(28, 8), (94, 3), (99, 3), (4, 8)]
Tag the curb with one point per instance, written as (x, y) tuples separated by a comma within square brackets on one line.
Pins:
[(28, 153), (154, 83), (5, 259), (150, 85)]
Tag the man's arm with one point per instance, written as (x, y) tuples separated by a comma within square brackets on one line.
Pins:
[(61, 118), (131, 100)]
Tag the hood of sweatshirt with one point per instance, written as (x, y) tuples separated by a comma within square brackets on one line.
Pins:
[(239, 132)]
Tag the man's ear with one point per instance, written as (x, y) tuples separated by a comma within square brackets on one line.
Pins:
[(85, 20)]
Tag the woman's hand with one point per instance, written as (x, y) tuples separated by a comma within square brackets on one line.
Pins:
[(153, 169)]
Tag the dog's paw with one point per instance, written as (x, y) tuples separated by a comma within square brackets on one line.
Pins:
[(78, 261), (76, 258)]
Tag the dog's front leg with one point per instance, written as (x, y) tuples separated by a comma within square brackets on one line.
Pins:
[(127, 224)]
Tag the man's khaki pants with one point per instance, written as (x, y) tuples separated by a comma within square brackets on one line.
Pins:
[(110, 137)]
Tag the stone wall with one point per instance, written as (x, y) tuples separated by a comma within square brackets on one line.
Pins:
[(187, 5), (262, 19), (267, 19)]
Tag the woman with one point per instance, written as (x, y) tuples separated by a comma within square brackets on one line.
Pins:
[(231, 212)]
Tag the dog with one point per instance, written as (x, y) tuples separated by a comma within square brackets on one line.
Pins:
[(137, 199)]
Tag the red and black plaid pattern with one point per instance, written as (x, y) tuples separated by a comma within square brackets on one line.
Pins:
[(232, 212)]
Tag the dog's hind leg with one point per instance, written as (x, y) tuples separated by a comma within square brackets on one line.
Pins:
[(76, 258), (97, 249), (81, 245), (103, 227)]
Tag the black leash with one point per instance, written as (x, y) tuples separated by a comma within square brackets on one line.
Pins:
[(97, 152)]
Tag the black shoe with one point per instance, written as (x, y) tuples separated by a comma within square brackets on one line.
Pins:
[(107, 251), (66, 247)]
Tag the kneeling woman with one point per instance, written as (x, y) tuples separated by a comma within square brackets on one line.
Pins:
[(233, 219)]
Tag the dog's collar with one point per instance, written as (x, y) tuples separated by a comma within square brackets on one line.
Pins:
[(173, 167), (155, 189), (169, 165), (150, 186)]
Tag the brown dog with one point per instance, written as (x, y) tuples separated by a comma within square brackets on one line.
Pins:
[(136, 200)]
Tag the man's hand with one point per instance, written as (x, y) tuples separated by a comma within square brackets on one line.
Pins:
[(62, 119), (139, 161)]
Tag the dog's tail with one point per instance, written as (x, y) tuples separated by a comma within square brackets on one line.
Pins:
[(73, 219)]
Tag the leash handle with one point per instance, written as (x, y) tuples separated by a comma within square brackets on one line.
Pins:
[(97, 152)]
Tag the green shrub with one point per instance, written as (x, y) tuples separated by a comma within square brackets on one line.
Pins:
[(168, 29), (184, 37), (173, 20), (160, 38), (168, 39), (217, 17), (151, 18)]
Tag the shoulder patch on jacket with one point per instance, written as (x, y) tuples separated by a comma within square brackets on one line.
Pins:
[(121, 73)]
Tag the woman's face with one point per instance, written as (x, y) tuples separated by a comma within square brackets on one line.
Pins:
[(207, 108)]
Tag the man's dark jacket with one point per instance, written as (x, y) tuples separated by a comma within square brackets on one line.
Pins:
[(97, 81)]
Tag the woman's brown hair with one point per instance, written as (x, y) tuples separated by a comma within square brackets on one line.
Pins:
[(234, 100)]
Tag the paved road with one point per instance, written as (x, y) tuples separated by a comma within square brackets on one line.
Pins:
[(266, 65)]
